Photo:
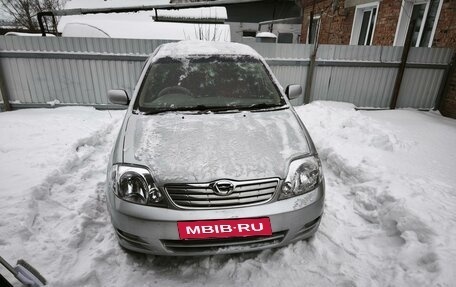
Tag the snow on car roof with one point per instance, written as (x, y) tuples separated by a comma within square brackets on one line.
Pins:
[(187, 48)]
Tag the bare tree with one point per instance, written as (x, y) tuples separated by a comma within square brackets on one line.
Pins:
[(24, 11), (209, 32)]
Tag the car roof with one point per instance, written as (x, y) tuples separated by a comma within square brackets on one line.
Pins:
[(185, 49)]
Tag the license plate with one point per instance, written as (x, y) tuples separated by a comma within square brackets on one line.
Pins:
[(224, 228)]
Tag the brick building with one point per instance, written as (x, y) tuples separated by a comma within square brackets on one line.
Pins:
[(384, 23)]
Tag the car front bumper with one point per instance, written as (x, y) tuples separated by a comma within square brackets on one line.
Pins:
[(154, 230)]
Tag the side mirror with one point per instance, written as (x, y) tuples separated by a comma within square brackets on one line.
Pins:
[(293, 91), (118, 97)]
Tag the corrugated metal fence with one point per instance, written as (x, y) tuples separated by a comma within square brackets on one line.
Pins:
[(40, 70)]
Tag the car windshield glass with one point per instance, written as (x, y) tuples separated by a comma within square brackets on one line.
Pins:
[(207, 83)]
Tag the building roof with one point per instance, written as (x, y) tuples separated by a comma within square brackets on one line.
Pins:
[(207, 13), (141, 25), (146, 30), (73, 4)]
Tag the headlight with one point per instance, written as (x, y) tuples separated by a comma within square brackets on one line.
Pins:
[(135, 184), (303, 176)]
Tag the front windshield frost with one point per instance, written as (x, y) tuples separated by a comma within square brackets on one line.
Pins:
[(231, 82)]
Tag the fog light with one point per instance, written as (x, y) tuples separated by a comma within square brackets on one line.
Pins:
[(155, 195), (287, 188)]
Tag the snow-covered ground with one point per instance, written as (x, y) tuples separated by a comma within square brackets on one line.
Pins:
[(390, 217)]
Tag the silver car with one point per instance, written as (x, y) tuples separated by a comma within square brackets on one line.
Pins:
[(211, 157)]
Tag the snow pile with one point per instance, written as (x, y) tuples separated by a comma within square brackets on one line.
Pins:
[(390, 213), (396, 170), (52, 174)]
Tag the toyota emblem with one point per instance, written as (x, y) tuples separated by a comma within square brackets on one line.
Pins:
[(223, 187)]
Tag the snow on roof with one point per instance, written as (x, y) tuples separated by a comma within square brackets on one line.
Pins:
[(95, 19), (27, 34), (83, 30), (186, 48), (189, 13), (73, 4), (140, 25), (218, 13), (266, 35), (148, 30)]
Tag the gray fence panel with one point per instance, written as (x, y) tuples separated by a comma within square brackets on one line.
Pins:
[(70, 44), (364, 87), (288, 75), (40, 78), (429, 55), (283, 51), (419, 88), (367, 86), (81, 70), (361, 85)]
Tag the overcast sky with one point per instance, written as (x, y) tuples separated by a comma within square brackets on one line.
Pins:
[(3, 15)]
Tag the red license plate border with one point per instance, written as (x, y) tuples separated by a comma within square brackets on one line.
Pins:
[(266, 228)]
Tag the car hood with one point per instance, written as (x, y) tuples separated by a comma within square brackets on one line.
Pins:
[(192, 148)]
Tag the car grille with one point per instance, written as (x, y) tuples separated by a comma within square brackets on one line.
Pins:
[(202, 196), (223, 245)]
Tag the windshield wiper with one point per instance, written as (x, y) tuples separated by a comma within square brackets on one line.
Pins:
[(204, 108), (262, 106), (198, 108), (156, 111), (214, 109)]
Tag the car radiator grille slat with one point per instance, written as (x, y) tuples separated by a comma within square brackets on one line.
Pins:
[(212, 196), (207, 245), (201, 196)]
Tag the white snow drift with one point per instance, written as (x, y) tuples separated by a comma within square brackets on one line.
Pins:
[(390, 216)]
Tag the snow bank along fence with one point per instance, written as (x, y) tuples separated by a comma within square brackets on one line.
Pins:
[(39, 71)]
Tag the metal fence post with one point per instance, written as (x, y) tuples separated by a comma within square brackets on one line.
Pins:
[(400, 72), (3, 90), (310, 71)]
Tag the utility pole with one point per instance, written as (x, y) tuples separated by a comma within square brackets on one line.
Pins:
[(313, 56), (400, 72)]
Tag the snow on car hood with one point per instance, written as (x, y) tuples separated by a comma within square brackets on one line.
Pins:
[(191, 148)]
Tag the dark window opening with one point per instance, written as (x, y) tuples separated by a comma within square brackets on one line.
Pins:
[(285, 38), (367, 27), (313, 33), (249, 34)]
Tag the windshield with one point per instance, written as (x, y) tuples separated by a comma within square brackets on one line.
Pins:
[(207, 83)]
